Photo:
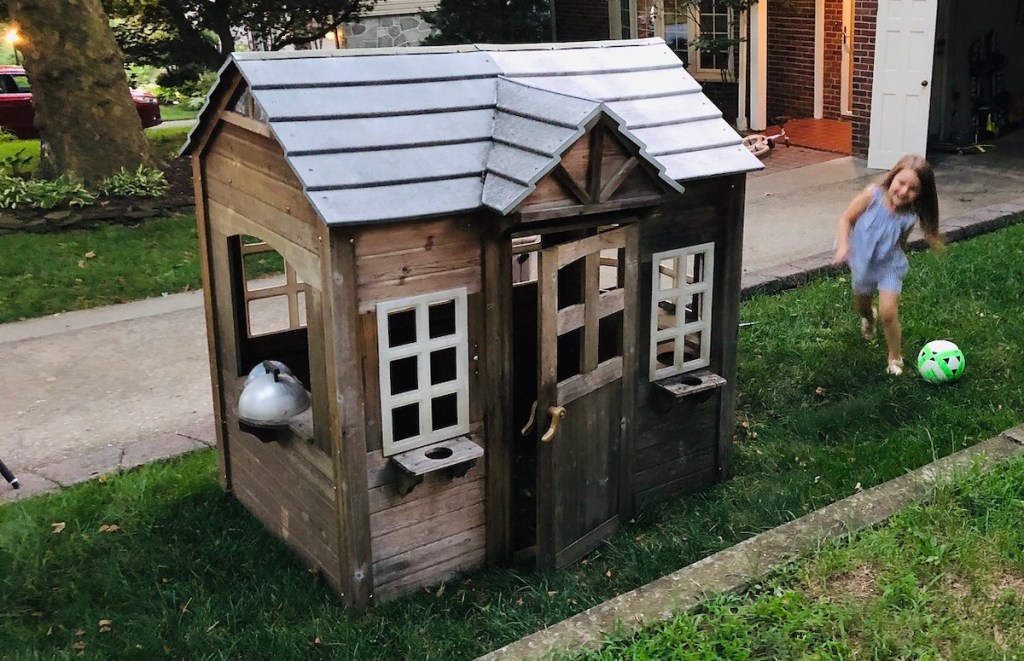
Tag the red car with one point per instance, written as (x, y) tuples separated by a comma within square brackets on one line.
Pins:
[(17, 114)]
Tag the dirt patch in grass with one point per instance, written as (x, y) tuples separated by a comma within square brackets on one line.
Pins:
[(1004, 581), (860, 584)]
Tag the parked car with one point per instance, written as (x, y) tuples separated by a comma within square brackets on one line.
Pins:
[(17, 114)]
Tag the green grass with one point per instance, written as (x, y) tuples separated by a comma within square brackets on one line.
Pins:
[(20, 149), (170, 113), (165, 143), (943, 580), (42, 274), (190, 574)]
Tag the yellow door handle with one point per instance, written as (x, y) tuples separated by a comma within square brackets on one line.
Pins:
[(557, 413), (529, 423)]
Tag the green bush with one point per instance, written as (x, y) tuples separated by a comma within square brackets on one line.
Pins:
[(184, 89), (42, 193), (143, 182)]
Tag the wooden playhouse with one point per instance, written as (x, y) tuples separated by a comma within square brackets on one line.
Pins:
[(514, 321)]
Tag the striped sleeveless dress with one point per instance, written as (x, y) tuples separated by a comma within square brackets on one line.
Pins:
[(876, 260)]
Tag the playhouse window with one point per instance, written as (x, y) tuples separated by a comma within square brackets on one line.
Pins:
[(274, 295), (423, 350), (681, 288), (246, 106)]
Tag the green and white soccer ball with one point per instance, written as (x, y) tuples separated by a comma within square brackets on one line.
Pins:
[(941, 361)]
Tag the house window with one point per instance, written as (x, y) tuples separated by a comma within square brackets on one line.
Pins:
[(682, 290), (423, 353), (703, 34)]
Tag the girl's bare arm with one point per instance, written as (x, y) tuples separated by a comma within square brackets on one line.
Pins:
[(846, 222)]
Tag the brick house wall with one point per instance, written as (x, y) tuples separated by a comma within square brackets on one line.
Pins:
[(791, 59), (865, 18), (832, 71)]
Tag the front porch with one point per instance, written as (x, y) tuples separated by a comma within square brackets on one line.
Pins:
[(812, 141)]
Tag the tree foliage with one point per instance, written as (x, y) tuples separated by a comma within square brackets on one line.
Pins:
[(490, 21), (180, 33)]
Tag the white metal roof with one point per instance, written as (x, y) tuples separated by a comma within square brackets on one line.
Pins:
[(377, 135)]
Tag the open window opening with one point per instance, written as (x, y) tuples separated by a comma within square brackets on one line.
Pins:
[(681, 294), (270, 307), (423, 349)]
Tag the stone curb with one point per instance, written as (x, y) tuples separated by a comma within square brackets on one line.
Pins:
[(797, 273), (732, 569)]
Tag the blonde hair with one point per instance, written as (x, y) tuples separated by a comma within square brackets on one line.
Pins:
[(926, 205)]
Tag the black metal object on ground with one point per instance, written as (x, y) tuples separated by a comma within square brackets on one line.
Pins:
[(9, 476)]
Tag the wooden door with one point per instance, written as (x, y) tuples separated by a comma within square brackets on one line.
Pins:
[(900, 98), (586, 308)]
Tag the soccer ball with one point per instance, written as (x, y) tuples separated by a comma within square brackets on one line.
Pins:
[(941, 361)]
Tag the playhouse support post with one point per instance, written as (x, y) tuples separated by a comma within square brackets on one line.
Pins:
[(346, 397), (207, 265), (730, 274), (497, 272), (627, 441)]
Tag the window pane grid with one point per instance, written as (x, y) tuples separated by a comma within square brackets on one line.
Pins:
[(271, 306), (426, 395), (670, 328)]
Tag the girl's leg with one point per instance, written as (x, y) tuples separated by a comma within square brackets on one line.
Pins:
[(862, 304), (888, 313)]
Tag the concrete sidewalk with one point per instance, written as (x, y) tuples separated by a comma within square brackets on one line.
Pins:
[(93, 391)]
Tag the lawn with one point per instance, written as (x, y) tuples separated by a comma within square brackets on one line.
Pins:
[(43, 274), (170, 113), (165, 142), (942, 580), (185, 572), (20, 155)]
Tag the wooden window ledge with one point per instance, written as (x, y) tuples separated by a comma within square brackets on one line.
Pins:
[(455, 455), (689, 383)]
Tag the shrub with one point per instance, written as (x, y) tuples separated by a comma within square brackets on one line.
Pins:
[(42, 193), (143, 182)]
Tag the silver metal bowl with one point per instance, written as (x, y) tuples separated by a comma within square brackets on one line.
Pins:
[(265, 367), (269, 400)]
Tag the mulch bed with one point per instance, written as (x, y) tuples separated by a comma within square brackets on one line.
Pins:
[(180, 198)]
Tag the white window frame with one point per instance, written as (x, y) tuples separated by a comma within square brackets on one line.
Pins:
[(680, 292), (693, 33), (421, 348), (712, 74)]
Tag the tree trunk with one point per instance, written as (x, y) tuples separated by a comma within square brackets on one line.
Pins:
[(87, 121)]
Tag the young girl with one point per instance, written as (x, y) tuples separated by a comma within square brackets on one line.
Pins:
[(872, 239)]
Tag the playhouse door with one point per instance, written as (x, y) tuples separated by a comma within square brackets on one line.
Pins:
[(586, 310)]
